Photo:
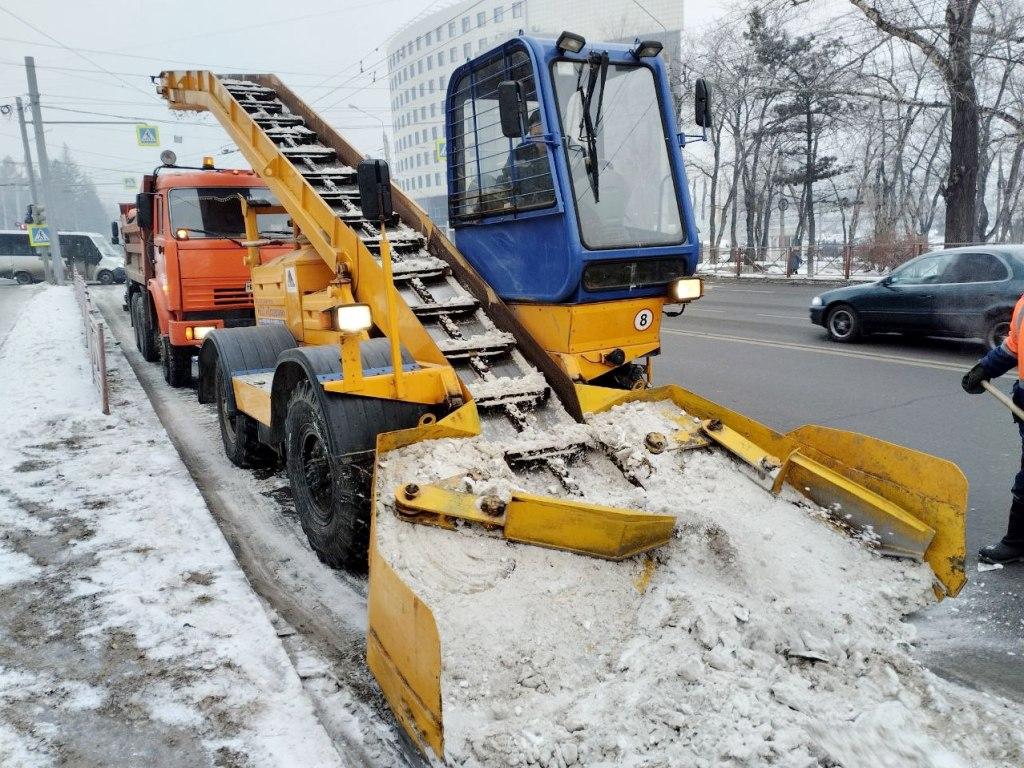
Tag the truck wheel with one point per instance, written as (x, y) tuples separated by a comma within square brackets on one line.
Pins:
[(177, 363), (23, 278), (146, 339), (239, 433), (106, 277)]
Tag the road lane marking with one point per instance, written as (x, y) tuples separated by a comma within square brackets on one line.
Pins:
[(742, 290), (782, 317), (872, 356)]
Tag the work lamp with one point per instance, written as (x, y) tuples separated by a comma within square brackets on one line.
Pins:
[(353, 318), (647, 48), (571, 42), (685, 289)]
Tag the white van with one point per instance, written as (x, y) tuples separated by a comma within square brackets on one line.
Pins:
[(94, 257)]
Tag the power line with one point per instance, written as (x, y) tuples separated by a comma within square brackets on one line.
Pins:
[(68, 48)]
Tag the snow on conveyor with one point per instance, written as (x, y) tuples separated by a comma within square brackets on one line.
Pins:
[(128, 634), (762, 638)]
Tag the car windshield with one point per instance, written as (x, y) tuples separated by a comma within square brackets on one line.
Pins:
[(922, 270), (631, 200), (104, 247), (215, 212)]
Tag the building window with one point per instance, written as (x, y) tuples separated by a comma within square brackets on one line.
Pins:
[(433, 106), (499, 14), (419, 42), (440, 58), (481, 18), (431, 87), (419, 66), (465, 23), (422, 92), (442, 81), (430, 39), (517, 10), (437, 34), (467, 50), (437, 179), (481, 43), (451, 29), (491, 174), (433, 132), (428, 179), (430, 62), (453, 55)]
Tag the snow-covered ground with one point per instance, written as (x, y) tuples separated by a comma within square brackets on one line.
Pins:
[(128, 634), (759, 636)]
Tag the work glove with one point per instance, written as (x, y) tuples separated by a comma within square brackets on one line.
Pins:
[(971, 382)]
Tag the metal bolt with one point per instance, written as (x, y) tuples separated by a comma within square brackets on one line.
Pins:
[(492, 505), (714, 425), (655, 442), (411, 491)]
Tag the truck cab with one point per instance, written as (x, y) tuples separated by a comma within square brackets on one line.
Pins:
[(184, 259), (567, 192)]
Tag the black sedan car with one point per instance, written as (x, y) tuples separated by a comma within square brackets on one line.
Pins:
[(960, 292)]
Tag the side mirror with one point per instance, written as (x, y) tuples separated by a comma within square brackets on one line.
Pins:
[(374, 178), (702, 103), (115, 233), (512, 108), (144, 210)]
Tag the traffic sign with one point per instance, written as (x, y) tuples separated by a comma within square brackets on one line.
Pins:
[(147, 135), (440, 150), (129, 183), (39, 235)]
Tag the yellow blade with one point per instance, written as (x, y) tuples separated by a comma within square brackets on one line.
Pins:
[(587, 529)]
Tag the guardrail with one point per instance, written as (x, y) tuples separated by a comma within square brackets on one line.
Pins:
[(95, 339)]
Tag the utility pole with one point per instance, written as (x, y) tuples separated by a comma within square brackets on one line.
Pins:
[(33, 199), (44, 171)]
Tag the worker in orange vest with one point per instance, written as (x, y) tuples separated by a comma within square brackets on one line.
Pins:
[(997, 362)]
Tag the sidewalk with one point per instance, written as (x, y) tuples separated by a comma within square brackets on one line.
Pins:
[(129, 636)]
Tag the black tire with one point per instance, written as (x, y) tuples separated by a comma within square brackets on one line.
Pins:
[(239, 432), (146, 340), (332, 492), (106, 277), (997, 329), (23, 278), (176, 362), (843, 324)]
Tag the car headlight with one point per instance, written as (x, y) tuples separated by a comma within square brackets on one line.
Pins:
[(816, 301), (685, 289)]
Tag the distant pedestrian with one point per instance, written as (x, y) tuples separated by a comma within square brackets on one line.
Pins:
[(997, 362)]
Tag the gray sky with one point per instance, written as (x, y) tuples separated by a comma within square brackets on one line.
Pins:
[(96, 56)]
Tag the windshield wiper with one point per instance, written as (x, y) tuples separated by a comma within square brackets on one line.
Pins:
[(597, 74)]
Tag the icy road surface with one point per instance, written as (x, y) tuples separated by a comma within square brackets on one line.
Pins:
[(128, 634)]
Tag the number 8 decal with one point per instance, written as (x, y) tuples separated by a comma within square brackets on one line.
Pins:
[(644, 319)]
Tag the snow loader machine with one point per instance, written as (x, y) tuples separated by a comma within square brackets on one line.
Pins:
[(573, 232)]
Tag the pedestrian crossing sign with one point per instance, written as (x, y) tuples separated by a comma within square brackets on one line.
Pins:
[(147, 135), (38, 235), (440, 150)]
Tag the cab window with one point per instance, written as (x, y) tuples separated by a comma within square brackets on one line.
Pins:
[(489, 173), (216, 212), (78, 249)]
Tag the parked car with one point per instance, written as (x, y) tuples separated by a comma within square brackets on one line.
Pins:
[(961, 292), (95, 258)]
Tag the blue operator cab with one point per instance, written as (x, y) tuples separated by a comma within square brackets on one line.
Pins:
[(567, 192)]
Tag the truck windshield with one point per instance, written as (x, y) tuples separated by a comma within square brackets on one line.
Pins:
[(215, 212), (631, 201)]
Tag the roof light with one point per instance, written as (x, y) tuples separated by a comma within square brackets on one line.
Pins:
[(647, 48), (571, 42), (181, 234), (354, 318), (208, 162), (167, 157)]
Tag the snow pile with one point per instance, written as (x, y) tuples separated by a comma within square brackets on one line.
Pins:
[(129, 634), (758, 636)]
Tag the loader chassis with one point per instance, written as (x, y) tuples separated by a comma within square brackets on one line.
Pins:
[(441, 355)]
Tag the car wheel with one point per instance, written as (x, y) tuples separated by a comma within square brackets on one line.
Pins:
[(23, 278), (998, 328), (106, 277), (843, 324)]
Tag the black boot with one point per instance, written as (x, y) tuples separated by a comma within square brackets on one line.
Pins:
[(1011, 548)]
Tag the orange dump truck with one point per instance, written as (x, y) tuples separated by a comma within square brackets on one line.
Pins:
[(183, 240)]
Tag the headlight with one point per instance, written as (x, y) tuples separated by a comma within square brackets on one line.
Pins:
[(353, 318), (816, 301), (197, 332), (685, 289)]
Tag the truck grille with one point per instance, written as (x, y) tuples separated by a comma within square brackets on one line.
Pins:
[(202, 295)]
